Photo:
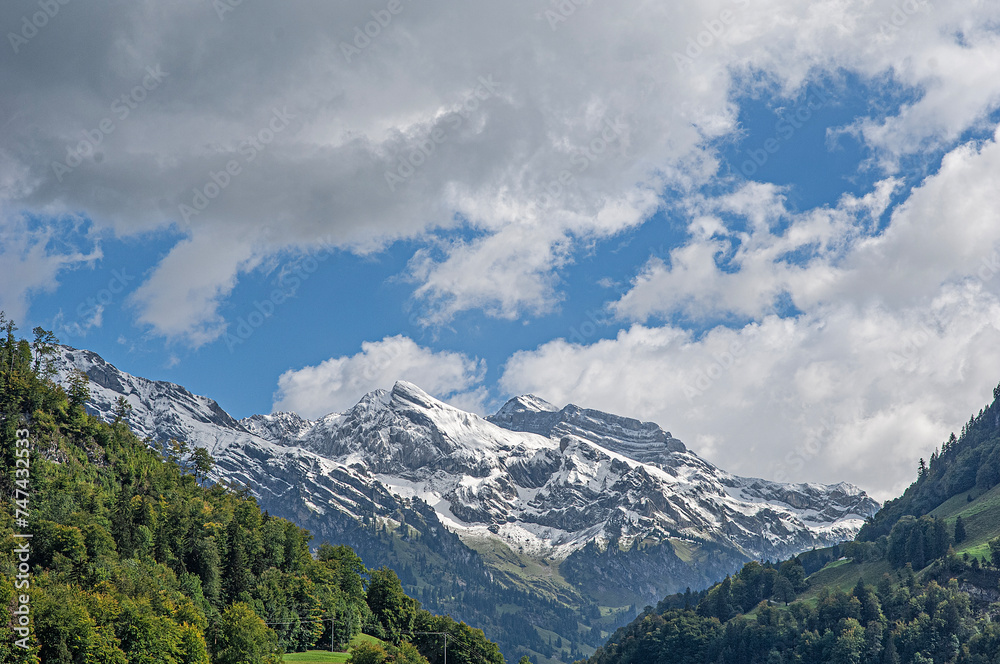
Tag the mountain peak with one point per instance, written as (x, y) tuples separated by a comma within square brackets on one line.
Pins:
[(527, 413), (526, 403), (276, 426), (408, 393), (406, 387), (545, 481)]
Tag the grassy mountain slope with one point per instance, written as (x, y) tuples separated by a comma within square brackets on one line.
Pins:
[(843, 575), (981, 517)]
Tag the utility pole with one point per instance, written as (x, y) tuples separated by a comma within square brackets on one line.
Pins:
[(444, 634)]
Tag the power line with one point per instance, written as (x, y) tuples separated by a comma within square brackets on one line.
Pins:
[(332, 635), (444, 634)]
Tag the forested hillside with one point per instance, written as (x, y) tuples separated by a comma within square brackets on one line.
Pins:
[(775, 614), (133, 560), (907, 620), (919, 584)]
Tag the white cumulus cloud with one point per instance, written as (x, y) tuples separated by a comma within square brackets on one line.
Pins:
[(895, 342), (338, 383), (498, 121)]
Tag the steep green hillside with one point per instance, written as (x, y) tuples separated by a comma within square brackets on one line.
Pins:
[(131, 560), (980, 518), (920, 584), (843, 575), (849, 611)]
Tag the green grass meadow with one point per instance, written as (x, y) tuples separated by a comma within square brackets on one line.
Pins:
[(325, 656)]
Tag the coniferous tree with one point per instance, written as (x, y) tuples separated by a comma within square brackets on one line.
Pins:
[(43, 348), (79, 388), (891, 655), (884, 588), (859, 589), (959, 530), (724, 609), (237, 575), (121, 412), (202, 462)]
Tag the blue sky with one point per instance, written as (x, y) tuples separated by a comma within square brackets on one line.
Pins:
[(350, 299), (781, 249)]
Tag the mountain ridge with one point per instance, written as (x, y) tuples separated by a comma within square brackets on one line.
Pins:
[(404, 436), (568, 502)]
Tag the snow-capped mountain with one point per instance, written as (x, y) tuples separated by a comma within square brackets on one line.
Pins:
[(532, 482), (533, 475)]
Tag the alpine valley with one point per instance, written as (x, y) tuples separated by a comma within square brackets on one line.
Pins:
[(547, 527)]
